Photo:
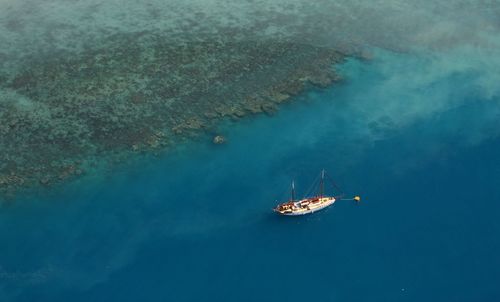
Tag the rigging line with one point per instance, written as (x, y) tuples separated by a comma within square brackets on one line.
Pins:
[(312, 187), (335, 185), (285, 195)]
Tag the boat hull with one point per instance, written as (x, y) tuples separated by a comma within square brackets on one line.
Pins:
[(306, 206)]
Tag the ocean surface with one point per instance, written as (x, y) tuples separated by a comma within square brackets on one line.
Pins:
[(416, 134)]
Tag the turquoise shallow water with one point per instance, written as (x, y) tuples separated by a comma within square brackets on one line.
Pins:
[(417, 136)]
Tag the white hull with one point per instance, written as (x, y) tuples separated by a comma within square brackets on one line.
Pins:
[(312, 207)]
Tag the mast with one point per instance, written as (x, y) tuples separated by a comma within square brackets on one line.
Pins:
[(293, 190), (322, 184)]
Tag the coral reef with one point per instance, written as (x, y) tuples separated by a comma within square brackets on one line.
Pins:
[(219, 139), (138, 92)]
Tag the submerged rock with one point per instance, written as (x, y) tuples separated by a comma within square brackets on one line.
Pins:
[(219, 139)]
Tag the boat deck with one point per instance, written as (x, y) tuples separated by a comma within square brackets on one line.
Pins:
[(304, 206)]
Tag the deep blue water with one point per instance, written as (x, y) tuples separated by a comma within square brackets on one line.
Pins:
[(416, 137)]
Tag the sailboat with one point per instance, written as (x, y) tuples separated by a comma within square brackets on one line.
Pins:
[(309, 205)]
